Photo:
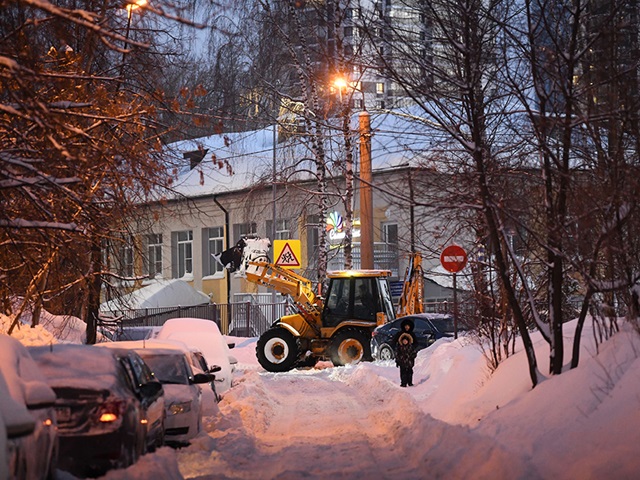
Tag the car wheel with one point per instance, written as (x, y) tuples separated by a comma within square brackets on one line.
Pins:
[(386, 352), (349, 346), (127, 455), (277, 350), (53, 464)]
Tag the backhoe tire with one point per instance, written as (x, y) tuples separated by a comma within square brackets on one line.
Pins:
[(277, 350), (350, 346)]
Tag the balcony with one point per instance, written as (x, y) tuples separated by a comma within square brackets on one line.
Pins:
[(385, 257)]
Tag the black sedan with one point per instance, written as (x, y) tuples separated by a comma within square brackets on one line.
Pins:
[(109, 411), (428, 327)]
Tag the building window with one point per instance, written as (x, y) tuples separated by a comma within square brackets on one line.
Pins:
[(213, 244), (182, 253), (283, 229), (243, 229), (379, 88), (154, 255), (125, 257), (313, 227), (390, 234)]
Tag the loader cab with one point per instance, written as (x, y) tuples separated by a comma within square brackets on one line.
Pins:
[(357, 295)]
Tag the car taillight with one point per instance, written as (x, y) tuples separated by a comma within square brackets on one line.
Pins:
[(110, 411)]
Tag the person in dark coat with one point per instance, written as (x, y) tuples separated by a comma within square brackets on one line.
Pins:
[(406, 352)]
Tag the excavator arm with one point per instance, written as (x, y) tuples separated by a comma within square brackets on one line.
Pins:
[(287, 282), (249, 259), (413, 289)]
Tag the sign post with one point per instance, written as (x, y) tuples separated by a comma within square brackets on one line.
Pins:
[(453, 259)]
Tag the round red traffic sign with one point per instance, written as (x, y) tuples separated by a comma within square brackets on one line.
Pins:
[(453, 258)]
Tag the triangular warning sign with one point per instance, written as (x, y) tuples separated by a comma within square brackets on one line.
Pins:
[(287, 258)]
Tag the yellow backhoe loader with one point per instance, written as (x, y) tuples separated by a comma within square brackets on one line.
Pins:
[(336, 327)]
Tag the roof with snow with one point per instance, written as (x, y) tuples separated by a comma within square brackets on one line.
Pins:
[(236, 161), (161, 293)]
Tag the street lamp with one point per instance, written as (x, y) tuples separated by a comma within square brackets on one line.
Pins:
[(366, 196), (130, 7)]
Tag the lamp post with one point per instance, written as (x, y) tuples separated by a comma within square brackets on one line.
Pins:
[(130, 7), (273, 185), (366, 196), (341, 84)]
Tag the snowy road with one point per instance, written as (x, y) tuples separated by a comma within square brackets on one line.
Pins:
[(346, 422)]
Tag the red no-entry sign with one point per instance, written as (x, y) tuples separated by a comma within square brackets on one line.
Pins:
[(453, 258)]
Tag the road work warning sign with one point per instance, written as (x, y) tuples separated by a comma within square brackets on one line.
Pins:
[(287, 253)]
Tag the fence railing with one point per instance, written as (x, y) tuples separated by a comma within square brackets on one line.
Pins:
[(242, 319)]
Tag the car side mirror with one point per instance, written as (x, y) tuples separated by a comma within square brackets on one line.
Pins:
[(151, 389), (38, 395), (215, 368), (231, 345), (202, 378)]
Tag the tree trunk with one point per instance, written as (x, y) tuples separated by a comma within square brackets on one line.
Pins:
[(93, 297)]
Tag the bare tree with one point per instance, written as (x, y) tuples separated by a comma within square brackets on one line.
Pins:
[(80, 144)]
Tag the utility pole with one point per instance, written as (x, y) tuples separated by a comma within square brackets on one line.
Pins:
[(366, 197)]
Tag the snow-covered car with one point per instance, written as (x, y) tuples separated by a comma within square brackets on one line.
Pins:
[(206, 337), (32, 455), (15, 424), (183, 396), (134, 333), (109, 408), (210, 398), (428, 327)]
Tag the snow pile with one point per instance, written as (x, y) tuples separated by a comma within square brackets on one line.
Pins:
[(459, 421), (51, 329)]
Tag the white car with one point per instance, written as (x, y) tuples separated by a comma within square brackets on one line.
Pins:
[(28, 412), (206, 337), (183, 396), (15, 424), (210, 397)]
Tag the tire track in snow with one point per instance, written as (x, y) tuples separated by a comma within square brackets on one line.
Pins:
[(339, 423)]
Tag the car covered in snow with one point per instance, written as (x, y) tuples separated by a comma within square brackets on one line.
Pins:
[(205, 336), (28, 414), (196, 359), (183, 396), (428, 327), (110, 409)]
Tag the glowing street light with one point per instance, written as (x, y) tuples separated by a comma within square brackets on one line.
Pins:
[(130, 8), (134, 6)]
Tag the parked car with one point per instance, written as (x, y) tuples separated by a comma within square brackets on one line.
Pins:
[(183, 396), (15, 424), (428, 327), (33, 454), (134, 333), (109, 407), (206, 337), (196, 359)]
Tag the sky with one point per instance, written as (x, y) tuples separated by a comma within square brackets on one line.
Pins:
[(459, 421)]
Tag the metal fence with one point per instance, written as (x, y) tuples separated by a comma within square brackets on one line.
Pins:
[(242, 319)]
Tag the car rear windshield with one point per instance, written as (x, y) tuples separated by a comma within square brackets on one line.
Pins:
[(168, 368)]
